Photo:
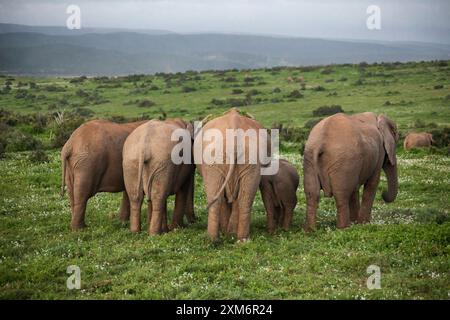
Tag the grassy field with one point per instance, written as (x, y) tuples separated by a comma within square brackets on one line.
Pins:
[(408, 239)]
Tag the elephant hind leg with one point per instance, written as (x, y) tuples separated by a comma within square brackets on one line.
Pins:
[(81, 192), (343, 211), (158, 222), (354, 205), (124, 213), (287, 218), (370, 190), (224, 215), (78, 214), (213, 220), (135, 214)]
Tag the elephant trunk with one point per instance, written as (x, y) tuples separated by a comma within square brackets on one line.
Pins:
[(392, 179)]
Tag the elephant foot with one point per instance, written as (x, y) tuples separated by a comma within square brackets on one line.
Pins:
[(243, 240), (271, 231), (135, 229), (309, 229), (342, 226), (79, 226), (363, 221), (124, 217)]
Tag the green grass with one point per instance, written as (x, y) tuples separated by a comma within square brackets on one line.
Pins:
[(408, 239)]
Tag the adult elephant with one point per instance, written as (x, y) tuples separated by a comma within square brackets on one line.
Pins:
[(149, 169), (344, 152), (231, 180), (92, 162), (418, 140)]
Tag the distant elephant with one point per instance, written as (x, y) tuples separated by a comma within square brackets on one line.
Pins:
[(230, 186), (279, 195), (418, 140), (149, 170), (341, 154), (92, 162)]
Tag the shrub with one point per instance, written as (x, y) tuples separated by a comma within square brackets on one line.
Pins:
[(145, 103), (237, 91), (276, 90), (17, 140), (38, 156), (441, 137), (438, 86), (329, 80), (327, 70), (343, 79), (311, 123), (118, 119), (327, 110), (187, 89), (83, 112), (295, 94), (64, 130), (2, 147), (318, 88)]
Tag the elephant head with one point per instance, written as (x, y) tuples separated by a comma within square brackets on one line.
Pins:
[(388, 130)]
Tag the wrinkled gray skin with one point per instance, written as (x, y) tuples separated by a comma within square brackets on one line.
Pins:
[(92, 162), (279, 195), (149, 170), (343, 153)]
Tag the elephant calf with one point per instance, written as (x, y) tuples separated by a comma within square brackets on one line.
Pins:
[(341, 154), (149, 170), (418, 140), (92, 162), (279, 195)]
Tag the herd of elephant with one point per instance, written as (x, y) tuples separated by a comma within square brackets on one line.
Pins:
[(342, 154)]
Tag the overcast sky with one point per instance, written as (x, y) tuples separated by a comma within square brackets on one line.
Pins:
[(407, 20)]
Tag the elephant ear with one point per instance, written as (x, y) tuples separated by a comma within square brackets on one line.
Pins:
[(430, 136), (388, 130)]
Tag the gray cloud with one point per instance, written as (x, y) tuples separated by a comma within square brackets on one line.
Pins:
[(401, 20)]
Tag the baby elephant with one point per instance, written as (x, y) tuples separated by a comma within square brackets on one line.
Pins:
[(418, 140), (279, 195)]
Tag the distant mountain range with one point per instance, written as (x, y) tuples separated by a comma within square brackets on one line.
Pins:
[(93, 51)]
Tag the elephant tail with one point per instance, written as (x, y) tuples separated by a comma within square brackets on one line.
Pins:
[(65, 153), (140, 169), (222, 188)]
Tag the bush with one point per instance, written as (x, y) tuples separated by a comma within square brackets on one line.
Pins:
[(327, 70), (276, 90), (318, 88), (17, 140), (38, 156), (145, 103), (295, 94), (327, 110), (311, 123), (439, 86), (83, 112), (64, 130), (237, 91), (441, 137), (186, 89)]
